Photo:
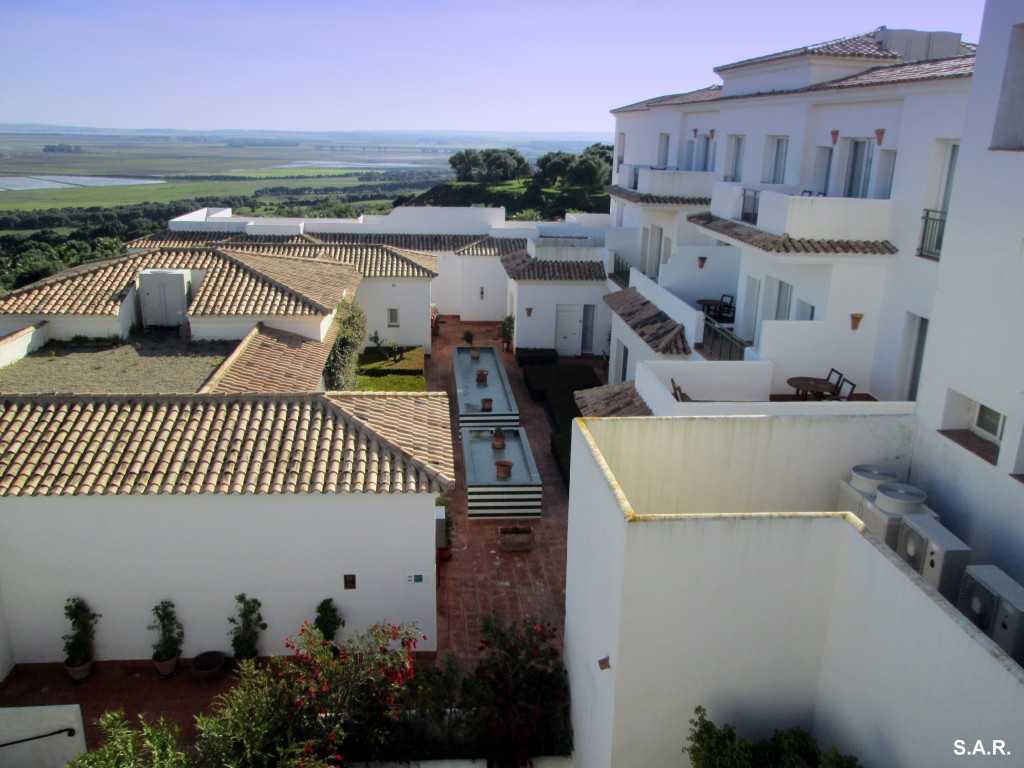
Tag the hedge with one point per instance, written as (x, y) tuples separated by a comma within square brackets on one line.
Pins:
[(533, 356), (340, 369)]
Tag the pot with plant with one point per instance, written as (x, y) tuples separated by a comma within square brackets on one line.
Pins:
[(170, 636), (246, 627), (508, 326), (328, 620), (467, 336), (78, 644), (498, 439)]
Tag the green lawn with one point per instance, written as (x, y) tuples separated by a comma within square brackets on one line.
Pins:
[(380, 373)]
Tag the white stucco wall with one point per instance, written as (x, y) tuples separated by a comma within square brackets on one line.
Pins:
[(23, 342), (66, 327), (126, 553), (6, 649), (487, 273), (52, 752), (538, 330), (219, 327), (717, 380), (411, 297)]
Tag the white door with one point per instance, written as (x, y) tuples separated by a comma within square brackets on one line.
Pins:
[(567, 329)]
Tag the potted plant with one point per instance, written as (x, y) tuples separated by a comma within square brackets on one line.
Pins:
[(503, 469), (170, 636), (498, 439), (246, 627), (467, 336), (508, 325), (481, 375), (328, 620), (78, 644)]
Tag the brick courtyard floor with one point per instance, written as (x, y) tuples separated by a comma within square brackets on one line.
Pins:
[(478, 581)]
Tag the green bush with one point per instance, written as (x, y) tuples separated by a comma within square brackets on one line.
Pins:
[(150, 746), (711, 746), (340, 369), (536, 356)]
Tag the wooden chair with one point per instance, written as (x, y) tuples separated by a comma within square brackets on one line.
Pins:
[(835, 378), (844, 392)]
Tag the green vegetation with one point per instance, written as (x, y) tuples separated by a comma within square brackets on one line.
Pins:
[(340, 369), (387, 368), (151, 745), (711, 746), (490, 165)]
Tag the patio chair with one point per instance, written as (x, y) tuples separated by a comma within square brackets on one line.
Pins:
[(727, 314), (835, 378), (845, 391)]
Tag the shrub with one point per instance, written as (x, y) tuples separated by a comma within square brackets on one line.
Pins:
[(340, 368), (171, 632), (711, 746), (518, 694), (328, 621), (150, 746), (535, 356), (561, 444), (246, 627), (78, 644)]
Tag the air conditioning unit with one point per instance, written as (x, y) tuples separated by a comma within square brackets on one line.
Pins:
[(934, 552), (995, 603), (884, 523), (849, 499)]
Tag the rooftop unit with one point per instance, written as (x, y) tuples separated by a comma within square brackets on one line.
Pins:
[(164, 296), (934, 552), (995, 603)]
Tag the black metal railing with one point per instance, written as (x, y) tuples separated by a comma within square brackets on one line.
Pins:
[(931, 235), (69, 731), (721, 343), (620, 270), (748, 212)]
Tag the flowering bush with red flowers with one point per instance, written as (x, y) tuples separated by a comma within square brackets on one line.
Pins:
[(517, 698), (305, 709)]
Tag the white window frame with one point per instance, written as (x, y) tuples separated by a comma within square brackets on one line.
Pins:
[(993, 437), (776, 152), (393, 317)]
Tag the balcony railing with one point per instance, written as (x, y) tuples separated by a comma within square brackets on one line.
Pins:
[(620, 271), (748, 212), (931, 236), (720, 343)]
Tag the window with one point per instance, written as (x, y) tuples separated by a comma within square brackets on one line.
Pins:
[(886, 171), (858, 167), (705, 160), (1008, 132), (620, 150), (775, 160), (734, 159), (948, 172), (662, 150), (988, 423), (392, 318), (822, 174), (783, 301)]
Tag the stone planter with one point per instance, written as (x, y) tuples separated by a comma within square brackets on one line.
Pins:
[(503, 469), (515, 539), (486, 403), (481, 375)]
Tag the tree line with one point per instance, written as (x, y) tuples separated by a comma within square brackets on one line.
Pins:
[(590, 170)]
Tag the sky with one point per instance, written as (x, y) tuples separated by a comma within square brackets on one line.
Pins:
[(423, 65)]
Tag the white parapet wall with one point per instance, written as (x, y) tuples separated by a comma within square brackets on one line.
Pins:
[(23, 342), (126, 553), (55, 751), (700, 573)]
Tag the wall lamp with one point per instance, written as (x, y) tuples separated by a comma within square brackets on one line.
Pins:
[(855, 318)]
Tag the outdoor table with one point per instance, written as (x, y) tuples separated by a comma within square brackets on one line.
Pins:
[(712, 307), (811, 384)]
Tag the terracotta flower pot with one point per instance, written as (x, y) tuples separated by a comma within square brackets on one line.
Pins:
[(486, 403), (498, 442), (78, 673), (503, 469), (474, 353), (165, 669), (481, 375), (208, 666)]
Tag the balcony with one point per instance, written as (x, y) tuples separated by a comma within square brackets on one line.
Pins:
[(931, 234), (787, 211), (667, 182)]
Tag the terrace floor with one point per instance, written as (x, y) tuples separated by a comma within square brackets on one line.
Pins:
[(478, 581)]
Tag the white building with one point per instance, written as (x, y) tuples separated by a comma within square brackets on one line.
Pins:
[(797, 188), (705, 565)]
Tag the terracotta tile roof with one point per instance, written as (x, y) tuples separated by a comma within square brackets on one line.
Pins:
[(493, 246), (612, 400), (233, 284), (383, 261), (632, 196), (659, 331), (272, 360), (169, 239), (306, 443), (765, 241), (520, 266), (866, 45), (709, 93), (934, 69), (417, 423), (273, 239)]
